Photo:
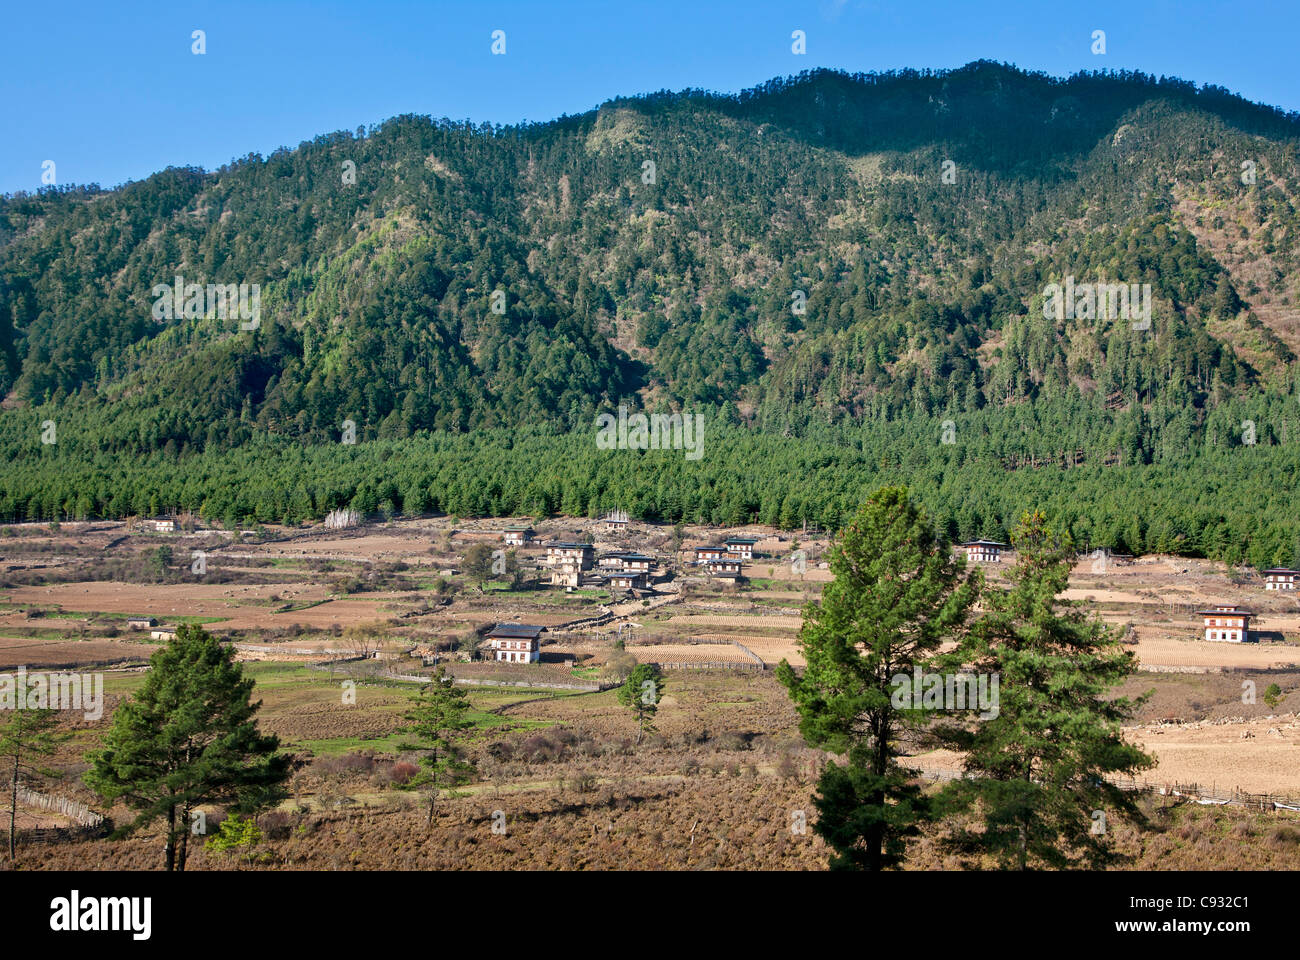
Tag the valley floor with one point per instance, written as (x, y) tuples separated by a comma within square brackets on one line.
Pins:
[(723, 782)]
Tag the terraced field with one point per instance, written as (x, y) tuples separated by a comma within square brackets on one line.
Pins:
[(689, 653), (711, 620), (67, 654)]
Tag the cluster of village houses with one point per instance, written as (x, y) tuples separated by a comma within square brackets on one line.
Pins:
[(573, 564), (634, 574), (628, 571)]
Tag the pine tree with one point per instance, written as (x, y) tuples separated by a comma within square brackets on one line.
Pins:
[(27, 735), (188, 737), (1038, 768), (236, 834), (438, 712), (898, 593), (641, 693)]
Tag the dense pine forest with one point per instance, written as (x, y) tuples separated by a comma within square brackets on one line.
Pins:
[(844, 274)]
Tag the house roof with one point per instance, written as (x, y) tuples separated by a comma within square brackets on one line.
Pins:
[(635, 556), (1232, 612), (516, 631), (983, 543), (749, 540), (1279, 570), (563, 545)]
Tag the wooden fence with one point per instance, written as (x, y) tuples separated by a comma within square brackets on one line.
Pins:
[(532, 684), (700, 665), (72, 809), (65, 834), (1214, 796), (491, 682)]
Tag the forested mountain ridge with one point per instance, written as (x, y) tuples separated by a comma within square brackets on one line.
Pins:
[(376, 295), (827, 250)]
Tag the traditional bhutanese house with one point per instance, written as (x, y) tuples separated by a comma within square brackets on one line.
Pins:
[(1281, 578), (983, 551), (726, 566), (610, 561), (517, 536), (579, 553), (616, 522), (709, 553), (140, 623), (724, 571), (1226, 622), (162, 635), (742, 547), (566, 573), (517, 642), (636, 562), (626, 580), (163, 526)]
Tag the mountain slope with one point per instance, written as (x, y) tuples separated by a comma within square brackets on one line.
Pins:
[(377, 296)]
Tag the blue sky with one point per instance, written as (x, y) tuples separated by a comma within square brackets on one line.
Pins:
[(112, 92)]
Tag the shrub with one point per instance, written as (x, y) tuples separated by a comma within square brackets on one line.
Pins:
[(731, 740), (787, 768), (1283, 838), (344, 765), (276, 825), (542, 747)]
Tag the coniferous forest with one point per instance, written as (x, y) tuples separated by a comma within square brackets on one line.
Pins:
[(843, 274)]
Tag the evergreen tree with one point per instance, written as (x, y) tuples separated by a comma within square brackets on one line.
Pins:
[(641, 693), (437, 714), (24, 737), (1039, 768), (237, 834), (898, 593), (188, 737)]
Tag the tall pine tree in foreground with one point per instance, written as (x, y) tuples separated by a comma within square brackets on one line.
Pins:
[(187, 738), (1038, 769), (898, 593)]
